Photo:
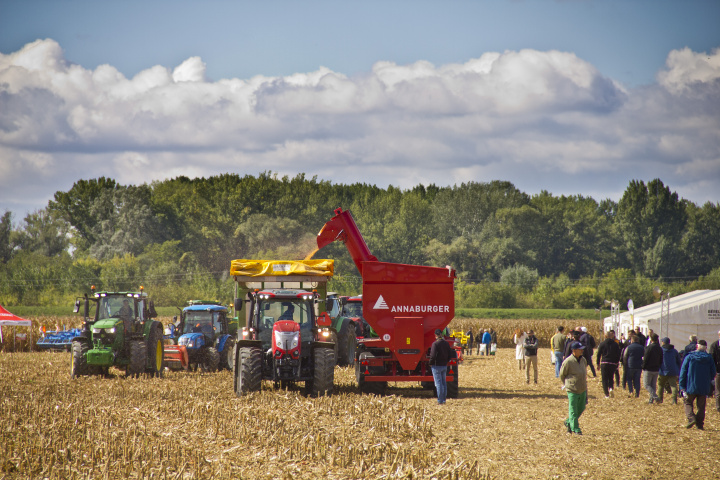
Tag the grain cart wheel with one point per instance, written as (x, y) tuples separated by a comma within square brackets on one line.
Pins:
[(209, 360), (346, 342), (373, 388), (452, 387), (323, 373), (228, 355), (155, 351), (248, 374), (138, 357), (79, 364)]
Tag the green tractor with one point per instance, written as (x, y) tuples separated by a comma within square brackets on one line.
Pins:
[(120, 332)]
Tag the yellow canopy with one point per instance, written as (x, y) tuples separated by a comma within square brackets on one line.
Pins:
[(260, 268)]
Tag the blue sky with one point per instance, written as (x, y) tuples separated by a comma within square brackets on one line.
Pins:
[(573, 97)]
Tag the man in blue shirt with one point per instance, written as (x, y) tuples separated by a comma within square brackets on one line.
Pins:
[(698, 370)]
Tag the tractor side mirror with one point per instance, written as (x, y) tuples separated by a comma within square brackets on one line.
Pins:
[(76, 308), (238, 304), (324, 320)]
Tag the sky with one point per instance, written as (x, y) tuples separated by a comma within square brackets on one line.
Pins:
[(573, 97)]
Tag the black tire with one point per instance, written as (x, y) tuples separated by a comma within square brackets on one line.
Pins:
[(79, 364), (323, 373), (227, 358), (248, 374), (138, 358), (155, 348), (335, 341), (371, 388), (346, 343), (210, 360)]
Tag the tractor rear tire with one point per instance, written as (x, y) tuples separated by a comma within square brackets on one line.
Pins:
[(79, 364), (346, 343), (323, 373), (138, 359), (210, 360), (155, 352), (248, 374), (228, 355)]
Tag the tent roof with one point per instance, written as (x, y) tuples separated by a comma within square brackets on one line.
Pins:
[(10, 319), (696, 307)]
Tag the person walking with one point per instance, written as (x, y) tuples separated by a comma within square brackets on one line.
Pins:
[(531, 348), (470, 341), (487, 340), (696, 375), (589, 342), (669, 371), (689, 348), (608, 358), (439, 357), (715, 353), (633, 358), (493, 341), (652, 360), (519, 341), (573, 374), (557, 343)]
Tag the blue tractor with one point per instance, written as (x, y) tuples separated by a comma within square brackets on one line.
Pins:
[(202, 337)]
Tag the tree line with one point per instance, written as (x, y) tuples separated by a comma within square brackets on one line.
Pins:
[(510, 249)]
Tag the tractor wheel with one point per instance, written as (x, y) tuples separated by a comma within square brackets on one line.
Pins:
[(248, 374), (79, 364), (228, 355), (138, 357), (210, 360), (346, 343), (155, 352), (323, 373)]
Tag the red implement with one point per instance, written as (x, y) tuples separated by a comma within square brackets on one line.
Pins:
[(176, 357)]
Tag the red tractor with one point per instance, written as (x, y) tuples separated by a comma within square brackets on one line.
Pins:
[(403, 304)]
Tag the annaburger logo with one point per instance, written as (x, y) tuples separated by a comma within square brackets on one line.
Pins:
[(381, 304)]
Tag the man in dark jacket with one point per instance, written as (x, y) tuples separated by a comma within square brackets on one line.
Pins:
[(439, 357), (652, 360), (669, 371), (531, 348), (698, 370), (689, 348), (589, 342), (608, 358), (574, 337), (715, 354), (633, 358), (470, 341)]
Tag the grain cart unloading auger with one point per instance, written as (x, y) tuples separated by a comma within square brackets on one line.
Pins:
[(286, 339), (404, 304)]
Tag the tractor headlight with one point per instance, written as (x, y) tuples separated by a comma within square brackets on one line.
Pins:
[(110, 330), (97, 330)]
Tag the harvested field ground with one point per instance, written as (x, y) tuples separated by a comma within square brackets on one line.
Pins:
[(191, 425)]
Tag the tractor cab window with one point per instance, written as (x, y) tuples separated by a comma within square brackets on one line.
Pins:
[(116, 307), (352, 309), (296, 310), (199, 322)]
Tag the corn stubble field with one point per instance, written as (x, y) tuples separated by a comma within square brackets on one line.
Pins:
[(191, 425)]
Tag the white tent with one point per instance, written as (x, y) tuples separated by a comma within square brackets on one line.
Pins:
[(693, 313), (11, 320)]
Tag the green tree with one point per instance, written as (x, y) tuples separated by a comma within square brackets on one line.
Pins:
[(43, 232), (6, 246), (701, 239)]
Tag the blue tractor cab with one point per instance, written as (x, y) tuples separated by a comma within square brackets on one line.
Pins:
[(203, 330)]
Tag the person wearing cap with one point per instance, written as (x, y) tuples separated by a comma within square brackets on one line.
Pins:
[(573, 374), (608, 358), (439, 357), (633, 359), (715, 354), (669, 370), (696, 375), (573, 336)]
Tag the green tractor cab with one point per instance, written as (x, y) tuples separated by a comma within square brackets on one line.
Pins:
[(118, 330)]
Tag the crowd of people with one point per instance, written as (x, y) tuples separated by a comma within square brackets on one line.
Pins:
[(688, 374)]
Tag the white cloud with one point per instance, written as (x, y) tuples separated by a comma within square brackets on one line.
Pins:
[(543, 120)]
